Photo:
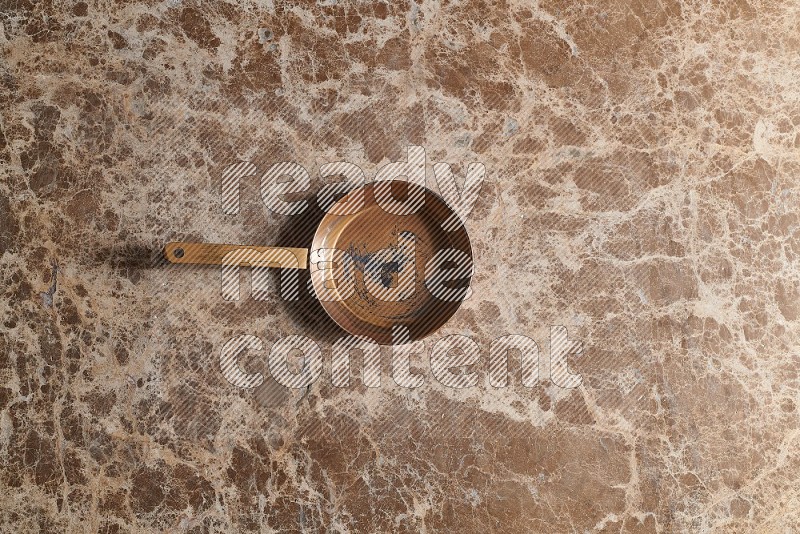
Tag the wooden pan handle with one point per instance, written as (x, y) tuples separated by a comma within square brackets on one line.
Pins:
[(242, 255)]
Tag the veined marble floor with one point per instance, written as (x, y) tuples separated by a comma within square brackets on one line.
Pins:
[(641, 190)]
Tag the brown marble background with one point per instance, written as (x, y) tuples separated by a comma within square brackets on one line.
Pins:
[(642, 190)]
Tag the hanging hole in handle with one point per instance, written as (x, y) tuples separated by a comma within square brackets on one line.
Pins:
[(178, 253)]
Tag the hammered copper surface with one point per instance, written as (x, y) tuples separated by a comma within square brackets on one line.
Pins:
[(371, 229)]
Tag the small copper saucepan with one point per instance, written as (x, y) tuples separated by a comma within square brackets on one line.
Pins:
[(377, 269)]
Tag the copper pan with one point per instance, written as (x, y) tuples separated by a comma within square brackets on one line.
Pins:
[(382, 262)]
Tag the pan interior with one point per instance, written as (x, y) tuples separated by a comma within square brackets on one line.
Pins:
[(386, 255)]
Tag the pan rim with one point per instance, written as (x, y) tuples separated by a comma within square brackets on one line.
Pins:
[(328, 305)]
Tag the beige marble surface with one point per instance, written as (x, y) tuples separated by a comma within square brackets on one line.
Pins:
[(642, 190)]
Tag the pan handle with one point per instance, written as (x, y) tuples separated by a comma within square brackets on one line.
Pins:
[(241, 255)]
